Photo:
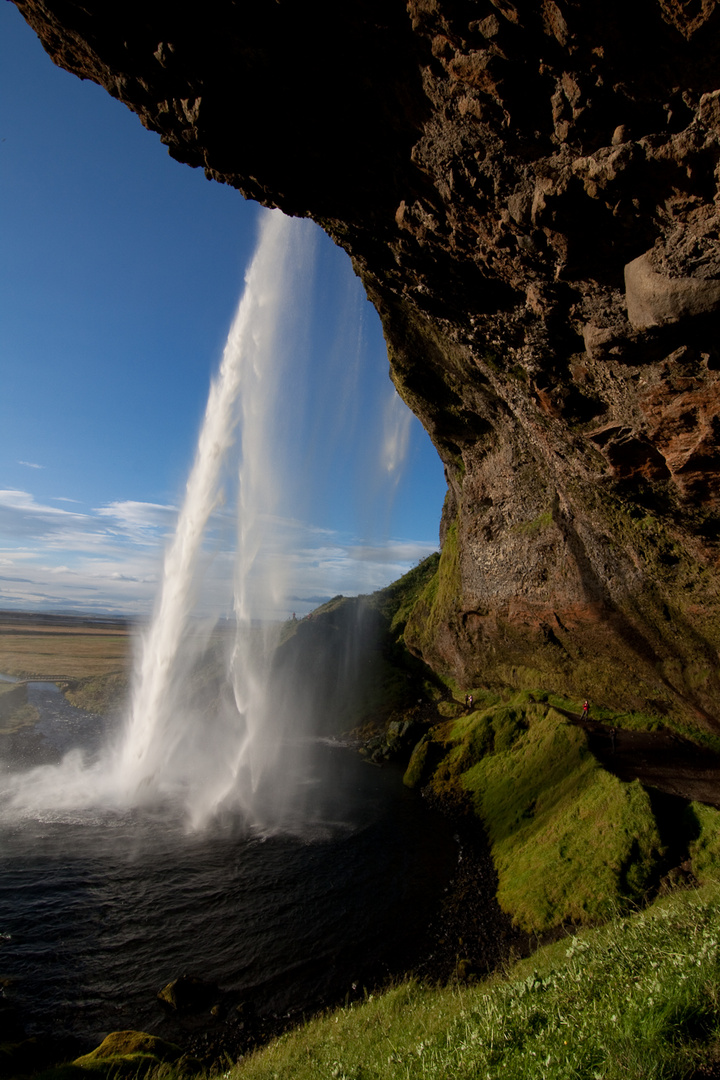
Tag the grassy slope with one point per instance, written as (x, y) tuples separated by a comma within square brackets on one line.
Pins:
[(348, 662), (638, 999), (570, 842), (568, 839)]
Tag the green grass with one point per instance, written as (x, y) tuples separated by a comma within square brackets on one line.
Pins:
[(704, 849), (438, 600), (637, 999)]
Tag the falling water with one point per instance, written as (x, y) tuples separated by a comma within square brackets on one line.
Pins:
[(171, 748), (167, 749), (108, 889), (160, 749), (234, 742)]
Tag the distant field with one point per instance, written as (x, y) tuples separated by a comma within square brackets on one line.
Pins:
[(28, 649)]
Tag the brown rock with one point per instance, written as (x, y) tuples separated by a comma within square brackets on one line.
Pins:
[(491, 179), (656, 299)]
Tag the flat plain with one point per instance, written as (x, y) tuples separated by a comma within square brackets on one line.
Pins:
[(62, 647)]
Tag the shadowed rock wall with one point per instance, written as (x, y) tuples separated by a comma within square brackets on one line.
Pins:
[(529, 194)]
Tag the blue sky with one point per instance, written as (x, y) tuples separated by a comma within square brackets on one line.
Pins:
[(121, 271)]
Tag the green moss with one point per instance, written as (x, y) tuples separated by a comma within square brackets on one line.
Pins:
[(129, 1055), (398, 599), (438, 601), (449, 709), (705, 849), (531, 528), (415, 772), (570, 842)]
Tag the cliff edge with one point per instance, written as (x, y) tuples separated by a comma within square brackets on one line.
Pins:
[(529, 193)]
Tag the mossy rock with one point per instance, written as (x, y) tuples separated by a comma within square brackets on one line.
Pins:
[(570, 842), (704, 850), (129, 1054), (415, 772)]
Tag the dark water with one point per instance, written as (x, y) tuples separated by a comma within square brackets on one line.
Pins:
[(99, 910)]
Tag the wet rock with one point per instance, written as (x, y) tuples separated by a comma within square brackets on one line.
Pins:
[(188, 994)]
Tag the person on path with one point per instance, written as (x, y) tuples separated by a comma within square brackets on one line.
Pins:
[(586, 710), (613, 734)]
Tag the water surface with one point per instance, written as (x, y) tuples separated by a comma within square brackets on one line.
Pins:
[(100, 909)]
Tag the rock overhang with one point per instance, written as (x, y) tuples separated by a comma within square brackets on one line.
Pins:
[(530, 198)]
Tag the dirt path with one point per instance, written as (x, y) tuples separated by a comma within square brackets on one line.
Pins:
[(658, 759)]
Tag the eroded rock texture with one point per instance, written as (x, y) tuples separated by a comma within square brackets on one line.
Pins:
[(529, 193)]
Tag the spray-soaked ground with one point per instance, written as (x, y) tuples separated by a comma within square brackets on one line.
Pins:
[(99, 910)]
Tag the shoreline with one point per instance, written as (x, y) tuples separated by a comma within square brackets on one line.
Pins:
[(467, 936)]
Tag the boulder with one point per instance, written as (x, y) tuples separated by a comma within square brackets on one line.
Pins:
[(188, 994), (655, 299), (133, 1054)]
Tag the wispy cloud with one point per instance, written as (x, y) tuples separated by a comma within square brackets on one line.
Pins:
[(31, 465), (145, 523), (110, 559)]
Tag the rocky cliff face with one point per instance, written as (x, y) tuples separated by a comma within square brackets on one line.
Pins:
[(529, 192)]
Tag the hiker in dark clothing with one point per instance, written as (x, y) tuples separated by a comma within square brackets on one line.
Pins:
[(613, 733)]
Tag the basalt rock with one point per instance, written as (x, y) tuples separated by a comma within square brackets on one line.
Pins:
[(529, 192)]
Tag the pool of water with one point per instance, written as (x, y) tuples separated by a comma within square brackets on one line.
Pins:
[(99, 909)]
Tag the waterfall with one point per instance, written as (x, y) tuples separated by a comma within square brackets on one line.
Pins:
[(208, 732), (166, 748)]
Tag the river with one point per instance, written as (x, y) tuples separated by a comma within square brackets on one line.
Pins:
[(99, 910)]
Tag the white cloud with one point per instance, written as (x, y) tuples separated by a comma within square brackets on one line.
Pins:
[(31, 465), (13, 497), (110, 559), (139, 514)]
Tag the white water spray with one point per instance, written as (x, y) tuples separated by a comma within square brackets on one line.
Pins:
[(172, 748), (235, 742), (164, 748)]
